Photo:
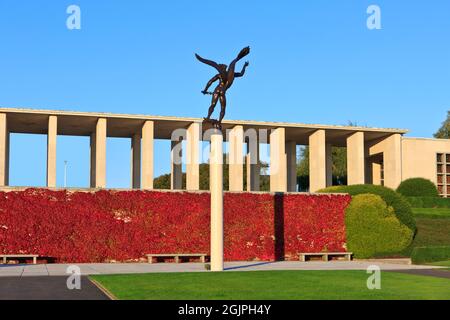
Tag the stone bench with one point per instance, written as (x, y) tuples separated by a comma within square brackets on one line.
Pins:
[(177, 256), (6, 256), (325, 255)]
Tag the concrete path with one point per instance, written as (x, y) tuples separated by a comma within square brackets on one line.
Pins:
[(122, 268), (47, 288)]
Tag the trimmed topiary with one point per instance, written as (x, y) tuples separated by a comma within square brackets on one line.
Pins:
[(418, 187), (372, 228), (401, 206), (428, 202), (430, 254)]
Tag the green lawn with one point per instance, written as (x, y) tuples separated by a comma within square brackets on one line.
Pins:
[(433, 228), (432, 213), (292, 285), (432, 232)]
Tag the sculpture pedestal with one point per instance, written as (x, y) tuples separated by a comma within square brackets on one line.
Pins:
[(216, 188)]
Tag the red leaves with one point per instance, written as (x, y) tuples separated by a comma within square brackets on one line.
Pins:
[(125, 225)]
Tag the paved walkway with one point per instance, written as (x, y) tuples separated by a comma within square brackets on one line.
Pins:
[(47, 288), (122, 268)]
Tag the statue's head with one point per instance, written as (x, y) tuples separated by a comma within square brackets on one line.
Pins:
[(223, 67)]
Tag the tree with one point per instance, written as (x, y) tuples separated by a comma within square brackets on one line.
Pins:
[(162, 182), (444, 130)]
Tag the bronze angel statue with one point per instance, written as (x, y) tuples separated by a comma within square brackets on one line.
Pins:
[(225, 76)]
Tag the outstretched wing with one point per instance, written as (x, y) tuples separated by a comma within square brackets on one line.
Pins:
[(208, 62)]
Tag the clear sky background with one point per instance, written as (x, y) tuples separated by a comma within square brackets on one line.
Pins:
[(311, 62)]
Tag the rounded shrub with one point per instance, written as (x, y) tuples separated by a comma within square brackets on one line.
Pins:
[(418, 187), (401, 206), (372, 228)]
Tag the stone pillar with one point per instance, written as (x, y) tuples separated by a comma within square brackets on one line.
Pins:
[(317, 161), (136, 161), (236, 159), (176, 172), (356, 159), (393, 161), (147, 154), (376, 173), (52, 133), (278, 161), (291, 154), (4, 150), (193, 157), (390, 149), (329, 160), (216, 187), (98, 155), (252, 164), (93, 152)]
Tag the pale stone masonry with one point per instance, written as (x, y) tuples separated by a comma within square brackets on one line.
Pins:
[(236, 158), (374, 155)]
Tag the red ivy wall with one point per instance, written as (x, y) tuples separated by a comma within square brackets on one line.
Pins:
[(107, 225)]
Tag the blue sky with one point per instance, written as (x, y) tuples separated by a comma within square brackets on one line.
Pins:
[(311, 62)]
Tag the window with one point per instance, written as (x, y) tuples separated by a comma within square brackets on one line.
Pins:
[(443, 173)]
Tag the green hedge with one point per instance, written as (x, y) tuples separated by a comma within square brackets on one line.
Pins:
[(372, 228), (430, 254), (418, 187), (428, 202), (401, 206)]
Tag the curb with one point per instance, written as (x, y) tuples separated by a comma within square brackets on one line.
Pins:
[(103, 289)]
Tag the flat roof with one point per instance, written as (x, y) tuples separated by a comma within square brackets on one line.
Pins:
[(23, 120)]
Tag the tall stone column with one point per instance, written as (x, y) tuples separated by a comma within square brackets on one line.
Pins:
[(98, 155), (393, 161), (136, 161), (147, 154), (317, 161), (216, 187), (278, 161), (376, 173), (329, 161), (193, 157), (291, 154), (236, 159), (52, 133), (176, 172), (356, 157), (252, 164), (4, 150)]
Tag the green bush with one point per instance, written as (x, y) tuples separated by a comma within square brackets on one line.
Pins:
[(418, 187), (401, 206), (372, 228), (430, 254), (428, 202)]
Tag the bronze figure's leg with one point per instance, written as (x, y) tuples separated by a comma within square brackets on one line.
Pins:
[(223, 106), (214, 99)]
